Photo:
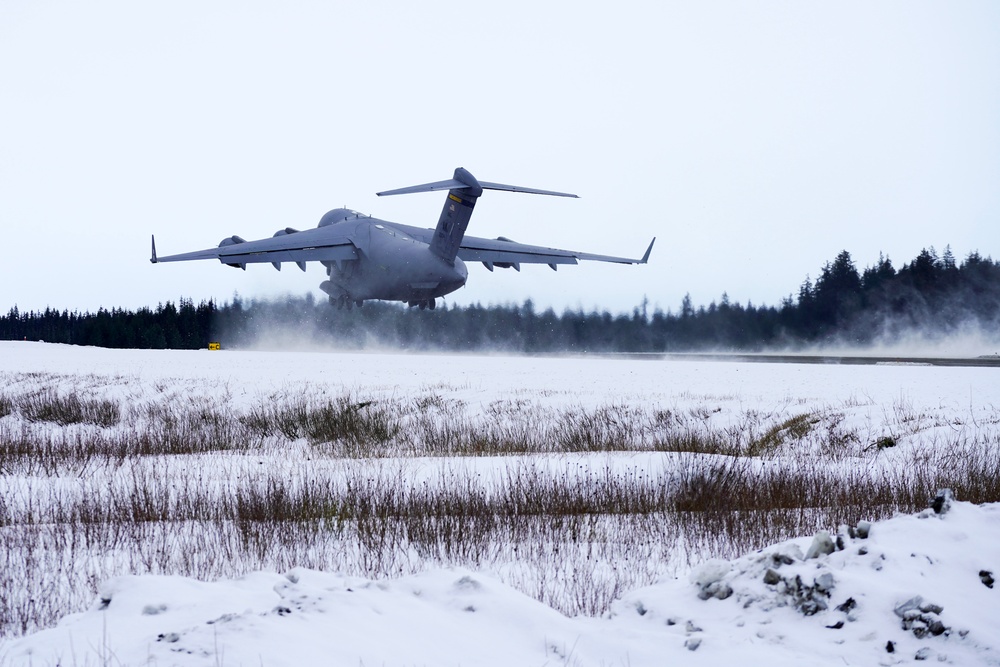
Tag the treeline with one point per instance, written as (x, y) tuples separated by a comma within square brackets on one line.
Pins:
[(933, 295), (184, 327)]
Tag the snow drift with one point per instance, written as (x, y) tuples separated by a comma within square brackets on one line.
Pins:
[(915, 587)]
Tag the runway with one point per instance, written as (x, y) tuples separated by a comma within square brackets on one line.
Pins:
[(990, 361)]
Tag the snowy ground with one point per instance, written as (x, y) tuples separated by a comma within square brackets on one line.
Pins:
[(918, 585), (481, 379), (773, 606)]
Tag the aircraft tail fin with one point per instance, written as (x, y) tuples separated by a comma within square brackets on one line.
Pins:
[(463, 192)]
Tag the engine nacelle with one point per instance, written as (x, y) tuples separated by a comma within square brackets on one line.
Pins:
[(233, 240), (503, 265)]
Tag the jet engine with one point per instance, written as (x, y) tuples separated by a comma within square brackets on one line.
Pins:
[(233, 240)]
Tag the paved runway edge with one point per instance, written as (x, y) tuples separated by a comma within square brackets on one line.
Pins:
[(863, 360)]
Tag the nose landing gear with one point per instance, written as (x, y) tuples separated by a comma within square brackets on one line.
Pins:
[(430, 303)]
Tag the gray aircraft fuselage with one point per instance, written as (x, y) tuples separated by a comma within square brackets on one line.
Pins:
[(394, 264)]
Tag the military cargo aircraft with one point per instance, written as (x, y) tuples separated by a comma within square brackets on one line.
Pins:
[(367, 258)]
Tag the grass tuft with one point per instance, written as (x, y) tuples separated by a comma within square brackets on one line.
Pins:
[(48, 405), (792, 429)]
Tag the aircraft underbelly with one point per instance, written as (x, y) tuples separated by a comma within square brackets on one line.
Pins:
[(396, 268)]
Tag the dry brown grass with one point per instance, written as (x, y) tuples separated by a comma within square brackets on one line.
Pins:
[(168, 487)]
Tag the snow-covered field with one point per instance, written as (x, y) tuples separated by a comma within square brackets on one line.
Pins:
[(612, 570)]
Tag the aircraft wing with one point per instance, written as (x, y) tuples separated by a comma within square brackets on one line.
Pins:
[(288, 245), (505, 251)]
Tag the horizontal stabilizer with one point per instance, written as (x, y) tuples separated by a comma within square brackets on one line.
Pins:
[(469, 183), (517, 188), (451, 183)]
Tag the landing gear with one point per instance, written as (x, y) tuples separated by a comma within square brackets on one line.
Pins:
[(344, 300), (430, 303)]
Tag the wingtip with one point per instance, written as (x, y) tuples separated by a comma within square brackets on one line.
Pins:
[(152, 259), (645, 257)]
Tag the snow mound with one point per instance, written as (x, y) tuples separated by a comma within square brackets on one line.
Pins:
[(911, 588)]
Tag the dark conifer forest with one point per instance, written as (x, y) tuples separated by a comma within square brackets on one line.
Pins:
[(932, 295)]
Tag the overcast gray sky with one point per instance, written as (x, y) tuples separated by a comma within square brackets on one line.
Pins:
[(755, 140)]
